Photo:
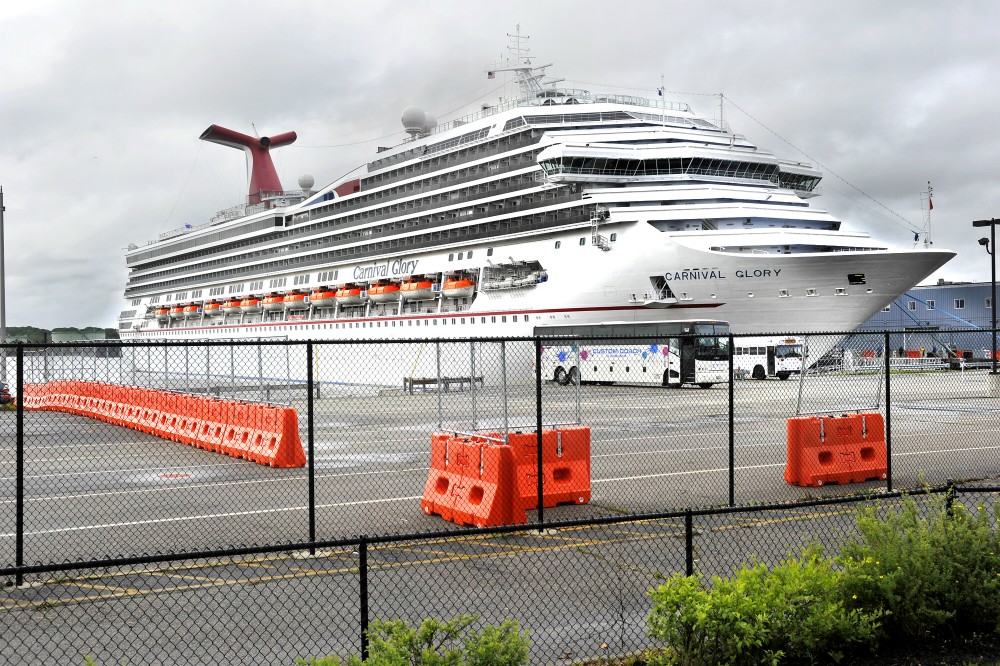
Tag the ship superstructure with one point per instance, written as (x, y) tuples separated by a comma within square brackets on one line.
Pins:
[(562, 206)]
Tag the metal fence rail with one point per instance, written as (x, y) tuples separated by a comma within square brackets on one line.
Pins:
[(125, 540)]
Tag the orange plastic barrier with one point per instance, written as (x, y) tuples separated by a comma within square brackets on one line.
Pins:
[(565, 466), (471, 482), (481, 481), (836, 449), (252, 431)]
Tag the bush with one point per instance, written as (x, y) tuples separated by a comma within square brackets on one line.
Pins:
[(759, 616), (928, 572), (437, 643)]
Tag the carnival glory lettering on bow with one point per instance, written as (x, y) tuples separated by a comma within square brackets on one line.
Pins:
[(716, 274), (398, 267)]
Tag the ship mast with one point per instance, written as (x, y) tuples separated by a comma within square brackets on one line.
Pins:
[(530, 79), (927, 213)]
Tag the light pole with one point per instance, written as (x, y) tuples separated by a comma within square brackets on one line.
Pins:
[(991, 245)]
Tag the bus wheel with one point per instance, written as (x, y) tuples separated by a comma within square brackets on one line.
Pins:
[(758, 372), (560, 376), (706, 385), (574, 376), (783, 375)]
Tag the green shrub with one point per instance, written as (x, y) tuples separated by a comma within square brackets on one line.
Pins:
[(759, 616), (437, 643), (928, 572)]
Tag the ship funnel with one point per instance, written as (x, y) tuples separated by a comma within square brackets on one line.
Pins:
[(260, 168)]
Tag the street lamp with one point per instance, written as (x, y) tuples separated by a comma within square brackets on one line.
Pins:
[(990, 244)]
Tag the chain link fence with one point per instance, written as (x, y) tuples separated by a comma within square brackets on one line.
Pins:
[(135, 548)]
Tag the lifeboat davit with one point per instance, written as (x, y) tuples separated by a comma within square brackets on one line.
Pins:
[(458, 287), (417, 289), (383, 291), (323, 298), (192, 310), (349, 294), (232, 307), (163, 314), (296, 301), (274, 303), (213, 309), (177, 312), (251, 304)]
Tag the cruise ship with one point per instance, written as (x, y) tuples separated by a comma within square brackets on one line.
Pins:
[(562, 207)]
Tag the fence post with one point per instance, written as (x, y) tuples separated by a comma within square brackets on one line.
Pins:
[(888, 414), (949, 498), (538, 429), (363, 580), (312, 450), (19, 472), (732, 427), (688, 543)]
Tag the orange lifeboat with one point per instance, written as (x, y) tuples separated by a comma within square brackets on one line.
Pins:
[(250, 304), (213, 308), (349, 294), (177, 312), (163, 314), (417, 289), (458, 287), (232, 307), (383, 291), (274, 303), (323, 298), (296, 301), (191, 310)]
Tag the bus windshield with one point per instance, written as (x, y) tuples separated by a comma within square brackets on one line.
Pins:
[(714, 348)]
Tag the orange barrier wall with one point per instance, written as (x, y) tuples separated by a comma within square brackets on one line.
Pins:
[(836, 449), (481, 481), (252, 431)]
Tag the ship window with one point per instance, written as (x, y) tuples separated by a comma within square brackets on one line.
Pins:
[(930, 304), (469, 255), (911, 305), (583, 241), (614, 237), (451, 257), (503, 319), (959, 303), (749, 294), (460, 254), (515, 318), (493, 320), (558, 244), (783, 293), (810, 292), (989, 304), (840, 291), (482, 320), (856, 278)]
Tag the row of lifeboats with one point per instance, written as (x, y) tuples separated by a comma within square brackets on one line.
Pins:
[(381, 291)]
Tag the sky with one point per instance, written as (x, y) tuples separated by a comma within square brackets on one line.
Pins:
[(102, 103)]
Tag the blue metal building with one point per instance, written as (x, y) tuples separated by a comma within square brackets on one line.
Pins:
[(931, 316)]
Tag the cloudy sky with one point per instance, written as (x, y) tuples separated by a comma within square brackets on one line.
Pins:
[(102, 103)]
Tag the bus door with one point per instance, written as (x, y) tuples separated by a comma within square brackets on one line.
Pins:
[(688, 348), (770, 361)]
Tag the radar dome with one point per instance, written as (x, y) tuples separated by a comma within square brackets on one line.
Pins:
[(306, 182), (413, 119), (430, 122)]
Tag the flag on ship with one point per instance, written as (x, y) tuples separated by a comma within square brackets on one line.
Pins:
[(659, 91)]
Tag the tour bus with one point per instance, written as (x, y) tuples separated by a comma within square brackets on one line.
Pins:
[(763, 357), (663, 353)]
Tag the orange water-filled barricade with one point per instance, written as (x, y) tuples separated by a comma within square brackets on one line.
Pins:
[(836, 449), (479, 480), (253, 431)]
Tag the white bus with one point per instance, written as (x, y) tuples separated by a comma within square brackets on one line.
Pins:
[(764, 357), (662, 353)]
